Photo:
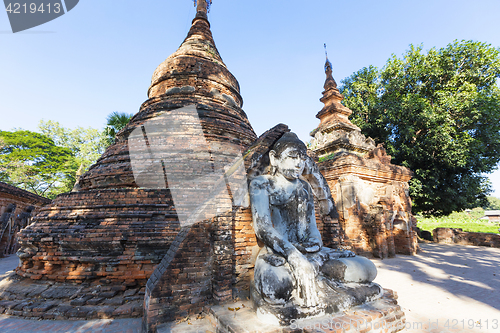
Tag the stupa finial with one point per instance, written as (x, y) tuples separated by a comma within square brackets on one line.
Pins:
[(330, 82), (203, 6), (328, 64)]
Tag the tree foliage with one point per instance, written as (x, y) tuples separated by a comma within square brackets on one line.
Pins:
[(493, 204), (116, 121), (49, 163), (86, 144), (438, 113), (35, 163)]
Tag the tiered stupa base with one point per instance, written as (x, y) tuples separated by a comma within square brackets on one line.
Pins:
[(382, 315), (24, 297)]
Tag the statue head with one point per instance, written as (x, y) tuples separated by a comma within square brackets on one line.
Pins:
[(288, 156)]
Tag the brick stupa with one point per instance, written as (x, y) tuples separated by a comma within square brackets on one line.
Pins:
[(109, 229), (371, 194)]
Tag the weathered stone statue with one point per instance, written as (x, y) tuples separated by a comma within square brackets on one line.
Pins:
[(295, 276)]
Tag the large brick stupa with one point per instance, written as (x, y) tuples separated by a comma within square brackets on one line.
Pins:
[(119, 222)]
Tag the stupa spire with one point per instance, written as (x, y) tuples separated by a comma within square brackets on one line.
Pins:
[(330, 81), (199, 60), (334, 115), (202, 7)]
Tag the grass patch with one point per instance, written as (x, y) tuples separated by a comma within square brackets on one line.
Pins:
[(467, 221)]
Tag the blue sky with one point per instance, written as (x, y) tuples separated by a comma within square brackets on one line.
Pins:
[(99, 57)]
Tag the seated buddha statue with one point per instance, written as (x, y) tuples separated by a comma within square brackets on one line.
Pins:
[(295, 276)]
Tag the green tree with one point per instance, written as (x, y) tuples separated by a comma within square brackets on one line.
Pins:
[(86, 144), (438, 113), (35, 163), (116, 121), (493, 204)]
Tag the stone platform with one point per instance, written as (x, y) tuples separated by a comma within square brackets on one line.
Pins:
[(48, 300), (57, 300), (382, 315)]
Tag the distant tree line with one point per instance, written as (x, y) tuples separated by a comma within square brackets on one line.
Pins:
[(49, 162)]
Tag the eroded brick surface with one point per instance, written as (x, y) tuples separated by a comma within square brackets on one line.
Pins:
[(16, 209), (112, 236), (60, 300), (458, 236)]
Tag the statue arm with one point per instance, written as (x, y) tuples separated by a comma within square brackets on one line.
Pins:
[(314, 234), (262, 223), (320, 188)]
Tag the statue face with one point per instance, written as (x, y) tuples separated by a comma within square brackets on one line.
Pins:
[(290, 163)]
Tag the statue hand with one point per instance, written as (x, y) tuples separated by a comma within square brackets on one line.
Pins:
[(305, 277), (299, 247), (312, 245), (307, 248), (325, 206)]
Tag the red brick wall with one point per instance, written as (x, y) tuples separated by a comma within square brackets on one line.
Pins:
[(368, 229), (25, 205), (105, 236), (183, 282), (245, 250)]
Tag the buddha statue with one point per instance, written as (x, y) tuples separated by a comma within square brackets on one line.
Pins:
[(295, 276)]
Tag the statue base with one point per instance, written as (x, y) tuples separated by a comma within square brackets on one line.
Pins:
[(335, 298), (383, 314)]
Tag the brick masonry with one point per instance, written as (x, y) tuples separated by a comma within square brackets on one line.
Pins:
[(458, 236), (16, 209), (371, 194), (56, 300), (109, 236), (373, 204), (109, 230)]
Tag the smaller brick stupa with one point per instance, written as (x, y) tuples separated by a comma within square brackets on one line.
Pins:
[(371, 194), (16, 209)]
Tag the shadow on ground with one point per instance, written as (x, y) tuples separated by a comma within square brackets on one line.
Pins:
[(468, 271)]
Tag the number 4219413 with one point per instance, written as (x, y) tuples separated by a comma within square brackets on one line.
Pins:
[(17, 8), (471, 323)]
